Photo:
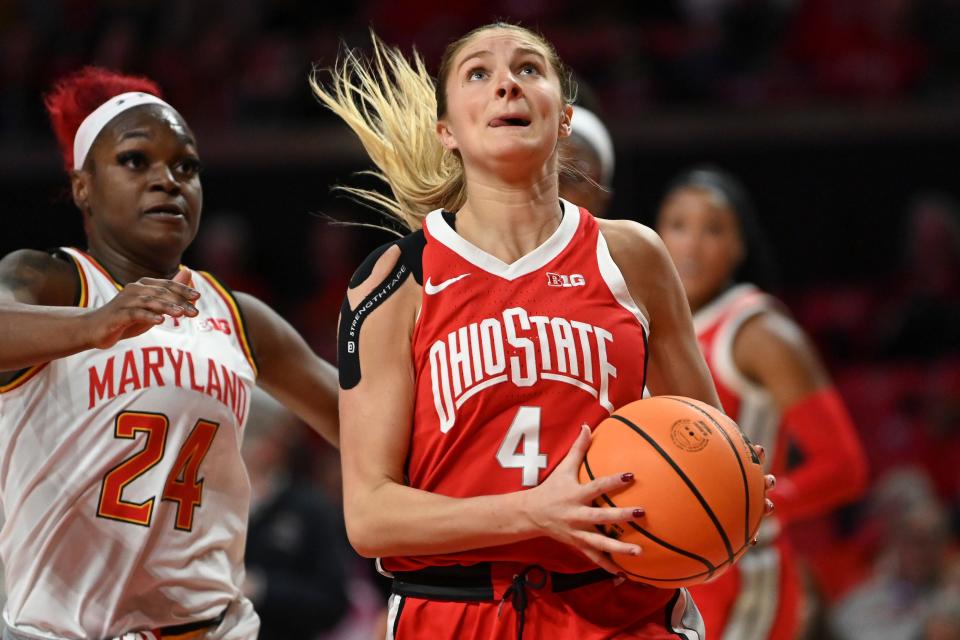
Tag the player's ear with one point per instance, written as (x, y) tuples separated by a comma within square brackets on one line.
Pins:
[(566, 119), (445, 134), (80, 188)]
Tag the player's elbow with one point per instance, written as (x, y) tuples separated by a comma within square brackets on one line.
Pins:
[(368, 535)]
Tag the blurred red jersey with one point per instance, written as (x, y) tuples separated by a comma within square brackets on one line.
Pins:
[(750, 405), (510, 360)]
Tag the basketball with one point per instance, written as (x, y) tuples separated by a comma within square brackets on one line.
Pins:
[(699, 481)]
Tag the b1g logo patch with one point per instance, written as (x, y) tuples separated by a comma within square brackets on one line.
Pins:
[(561, 280), (690, 435)]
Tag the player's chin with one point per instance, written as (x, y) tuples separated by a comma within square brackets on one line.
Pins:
[(173, 239)]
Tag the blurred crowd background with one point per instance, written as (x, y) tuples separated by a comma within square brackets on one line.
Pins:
[(841, 117)]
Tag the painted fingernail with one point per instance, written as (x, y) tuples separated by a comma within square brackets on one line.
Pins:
[(754, 542), (771, 481), (638, 512), (627, 477), (620, 579), (194, 293)]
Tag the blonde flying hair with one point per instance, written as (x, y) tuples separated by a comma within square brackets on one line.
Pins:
[(393, 106)]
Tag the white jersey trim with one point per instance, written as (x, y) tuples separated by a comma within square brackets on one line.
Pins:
[(618, 286), (708, 314), (533, 261), (722, 350), (685, 618), (758, 415)]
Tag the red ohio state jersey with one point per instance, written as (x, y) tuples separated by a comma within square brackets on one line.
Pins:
[(749, 404), (510, 361)]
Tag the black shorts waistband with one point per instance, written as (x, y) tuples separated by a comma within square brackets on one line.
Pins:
[(474, 583), (193, 626)]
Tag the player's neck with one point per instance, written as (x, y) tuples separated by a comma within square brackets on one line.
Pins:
[(509, 222), (126, 268)]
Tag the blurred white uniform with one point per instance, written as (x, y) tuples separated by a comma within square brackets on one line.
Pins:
[(121, 478)]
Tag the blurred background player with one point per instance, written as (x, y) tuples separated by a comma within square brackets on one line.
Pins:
[(588, 180), (771, 382), (465, 398), (127, 386)]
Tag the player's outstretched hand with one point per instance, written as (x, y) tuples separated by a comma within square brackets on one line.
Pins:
[(563, 508), (140, 306)]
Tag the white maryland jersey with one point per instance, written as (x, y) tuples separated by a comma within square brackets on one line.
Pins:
[(121, 478)]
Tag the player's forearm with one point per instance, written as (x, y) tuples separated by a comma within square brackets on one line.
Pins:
[(835, 468), (31, 334), (394, 519)]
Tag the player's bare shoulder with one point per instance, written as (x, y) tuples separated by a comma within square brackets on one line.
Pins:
[(638, 252), (631, 241), (38, 277)]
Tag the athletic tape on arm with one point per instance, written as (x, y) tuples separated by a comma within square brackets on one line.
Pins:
[(352, 318)]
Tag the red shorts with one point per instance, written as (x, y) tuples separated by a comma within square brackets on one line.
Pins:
[(758, 599), (505, 601)]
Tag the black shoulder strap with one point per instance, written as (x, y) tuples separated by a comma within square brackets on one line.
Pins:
[(352, 318)]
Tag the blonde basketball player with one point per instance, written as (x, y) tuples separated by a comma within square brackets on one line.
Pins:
[(128, 383), (475, 351)]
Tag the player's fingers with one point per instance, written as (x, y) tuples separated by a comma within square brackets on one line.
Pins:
[(761, 452), (174, 287), (159, 305), (768, 506), (771, 481), (606, 484), (606, 544), (143, 316), (577, 450), (609, 515), (602, 560)]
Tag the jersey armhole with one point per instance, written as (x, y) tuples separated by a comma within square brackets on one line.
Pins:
[(81, 299), (613, 278), (724, 365), (82, 296), (236, 314)]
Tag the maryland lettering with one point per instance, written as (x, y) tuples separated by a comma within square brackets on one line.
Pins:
[(159, 366), (521, 349)]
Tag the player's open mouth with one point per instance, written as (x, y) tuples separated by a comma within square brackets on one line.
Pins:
[(166, 211), (509, 121)]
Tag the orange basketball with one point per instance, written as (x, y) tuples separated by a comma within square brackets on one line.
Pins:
[(697, 478)]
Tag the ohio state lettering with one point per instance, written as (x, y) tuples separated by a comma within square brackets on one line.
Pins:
[(522, 349)]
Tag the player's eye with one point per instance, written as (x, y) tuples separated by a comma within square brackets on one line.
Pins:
[(476, 73), (190, 167), (132, 159), (529, 69)]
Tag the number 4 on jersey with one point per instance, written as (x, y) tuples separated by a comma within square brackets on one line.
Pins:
[(524, 430), (183, 486)]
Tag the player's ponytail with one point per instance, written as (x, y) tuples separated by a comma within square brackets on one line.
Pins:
[(390, 103), (393, 105)]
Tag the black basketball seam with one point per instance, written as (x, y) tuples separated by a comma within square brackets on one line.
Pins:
[(720, 566), (686, 480), (743, 472), (663, 543)]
